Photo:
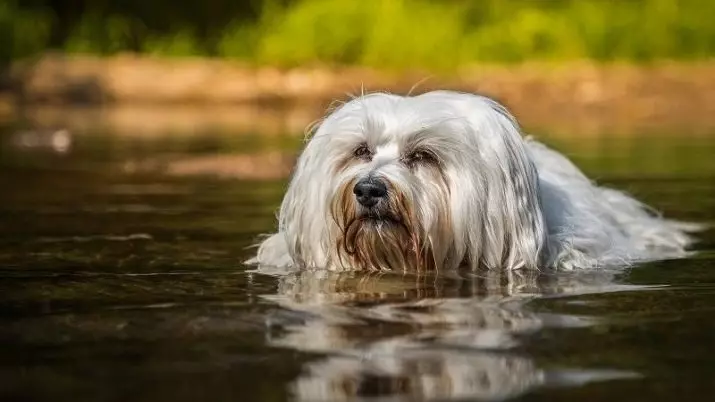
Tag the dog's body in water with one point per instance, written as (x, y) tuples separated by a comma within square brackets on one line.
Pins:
[(445, 180)]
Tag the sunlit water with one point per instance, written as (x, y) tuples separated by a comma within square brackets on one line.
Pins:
[(121, 279)]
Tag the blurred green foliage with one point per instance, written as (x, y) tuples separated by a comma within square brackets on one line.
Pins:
[(22, 32), (384, 33)]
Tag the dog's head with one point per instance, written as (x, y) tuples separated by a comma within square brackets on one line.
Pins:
[(414, 183), (391, 205)]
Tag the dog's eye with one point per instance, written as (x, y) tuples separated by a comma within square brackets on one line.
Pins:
[(420, 156), (362, 152)]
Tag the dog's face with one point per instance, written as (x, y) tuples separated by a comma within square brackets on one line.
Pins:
[(397, 183), (391, 203)]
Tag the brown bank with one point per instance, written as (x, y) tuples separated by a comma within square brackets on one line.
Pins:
[(575, 94), (63, 96)]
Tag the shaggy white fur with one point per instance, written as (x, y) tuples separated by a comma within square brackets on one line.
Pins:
[(463, 188)]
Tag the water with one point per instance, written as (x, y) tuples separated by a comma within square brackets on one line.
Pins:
[(121, 276)]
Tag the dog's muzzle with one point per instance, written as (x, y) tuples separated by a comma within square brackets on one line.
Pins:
[(369, 191)]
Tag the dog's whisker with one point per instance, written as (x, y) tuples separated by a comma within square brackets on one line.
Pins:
[(418, 83)]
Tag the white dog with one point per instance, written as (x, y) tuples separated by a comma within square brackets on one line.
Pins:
[(445, 180)]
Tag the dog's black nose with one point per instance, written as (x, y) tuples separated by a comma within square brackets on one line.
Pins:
[(369, 191)]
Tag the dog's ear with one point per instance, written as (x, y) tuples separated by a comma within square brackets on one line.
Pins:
[(523, 222), (525, 228), (513, 230), (305, 214), (302, 201)]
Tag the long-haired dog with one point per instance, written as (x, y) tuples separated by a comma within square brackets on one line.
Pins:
[(445, 180)]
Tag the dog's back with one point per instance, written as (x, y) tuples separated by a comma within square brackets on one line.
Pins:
[(589, 225)]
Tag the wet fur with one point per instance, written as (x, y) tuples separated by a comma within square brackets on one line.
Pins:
[(488, 198)]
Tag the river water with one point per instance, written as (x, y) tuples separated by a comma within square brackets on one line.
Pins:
[(122, 279)]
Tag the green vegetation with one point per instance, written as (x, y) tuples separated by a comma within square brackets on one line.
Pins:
[(22, 32), (384, 33)]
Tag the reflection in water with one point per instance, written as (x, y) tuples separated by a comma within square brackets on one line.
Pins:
[(56, 140), (424, 338)]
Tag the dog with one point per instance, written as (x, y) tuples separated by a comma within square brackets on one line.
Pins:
[(446, 180)]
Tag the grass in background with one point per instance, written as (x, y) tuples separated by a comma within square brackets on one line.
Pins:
[(402, 34), (415, 33)]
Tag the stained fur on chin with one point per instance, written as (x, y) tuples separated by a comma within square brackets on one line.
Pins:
[(465, 189), (380, 241)]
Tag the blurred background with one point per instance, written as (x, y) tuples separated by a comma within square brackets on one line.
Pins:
[(147, 69), (571, 68), (443, 34), (648, 56)]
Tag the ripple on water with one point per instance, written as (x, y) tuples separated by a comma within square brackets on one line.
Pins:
[(436, 338)]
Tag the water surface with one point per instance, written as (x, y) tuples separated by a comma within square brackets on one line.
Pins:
[(121, 276)]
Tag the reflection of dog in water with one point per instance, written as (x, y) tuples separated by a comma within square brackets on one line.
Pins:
[(445, 179), (414, 338)]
